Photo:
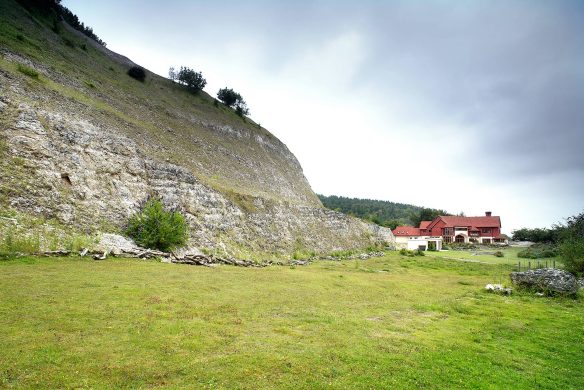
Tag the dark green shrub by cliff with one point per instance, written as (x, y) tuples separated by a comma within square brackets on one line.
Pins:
[(137, 72), (157, 228)]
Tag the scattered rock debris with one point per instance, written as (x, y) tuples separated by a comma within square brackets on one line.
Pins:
[(498, 288)]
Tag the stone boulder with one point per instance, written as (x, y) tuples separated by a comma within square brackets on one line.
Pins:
[(498, 288), (549, 280)]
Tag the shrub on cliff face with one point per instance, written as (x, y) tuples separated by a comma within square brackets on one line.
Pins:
[(137, 73), (228, 96), (157, 228), (234, 100), (194, 81)]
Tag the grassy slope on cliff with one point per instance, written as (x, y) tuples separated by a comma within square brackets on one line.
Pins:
[(392, 322), (77, 75)]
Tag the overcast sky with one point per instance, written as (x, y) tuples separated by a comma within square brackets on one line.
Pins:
[(460, 105)]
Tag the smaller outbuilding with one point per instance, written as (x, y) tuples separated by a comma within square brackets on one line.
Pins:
[(409, 237)]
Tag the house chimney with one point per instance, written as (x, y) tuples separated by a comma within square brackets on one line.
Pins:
[(488, 213)]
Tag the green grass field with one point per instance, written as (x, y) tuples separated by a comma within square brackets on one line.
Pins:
[(485, 256), (391, 322), (509, 257)]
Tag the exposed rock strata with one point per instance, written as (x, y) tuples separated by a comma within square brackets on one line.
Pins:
[(93, 176)]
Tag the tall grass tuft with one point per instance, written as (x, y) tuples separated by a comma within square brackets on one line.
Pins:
[(13, 244), (28, 71)]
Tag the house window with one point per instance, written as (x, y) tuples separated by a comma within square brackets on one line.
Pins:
[(486, 230), (447, 239), (447, 231)]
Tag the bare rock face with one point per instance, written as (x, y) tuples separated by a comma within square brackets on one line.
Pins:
[(115, 244), (547, 280), (90, 175)]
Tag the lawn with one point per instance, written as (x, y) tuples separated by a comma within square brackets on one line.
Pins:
[(486, 256), (391, 322)]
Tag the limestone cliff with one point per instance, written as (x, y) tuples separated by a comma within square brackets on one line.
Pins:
[(84, 144)]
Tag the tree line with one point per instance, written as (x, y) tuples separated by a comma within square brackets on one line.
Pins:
[(567, 238), (381, 212), (553, 235)]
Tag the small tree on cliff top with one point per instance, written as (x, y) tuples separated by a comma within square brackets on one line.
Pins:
[(234, 100), (194, 81)]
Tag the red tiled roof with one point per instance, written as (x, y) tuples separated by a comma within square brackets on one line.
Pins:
[(424, 224), (452, 221), (406, 231)]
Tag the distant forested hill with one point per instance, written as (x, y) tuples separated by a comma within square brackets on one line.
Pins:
[(381, 212)]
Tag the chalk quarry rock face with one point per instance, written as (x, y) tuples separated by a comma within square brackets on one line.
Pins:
[(547, 279), (89, 175)]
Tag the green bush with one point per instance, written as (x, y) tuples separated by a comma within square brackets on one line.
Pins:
[(461, 246), (499, 254), (137, 72), (30, 72), (527, 254), (342, 254), (194, 81), (538, 252), (410, 253), (572, 251), (156, 228)]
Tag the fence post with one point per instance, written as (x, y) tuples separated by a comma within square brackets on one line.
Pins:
[(529, 265), (519, 266), (554, 263)]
